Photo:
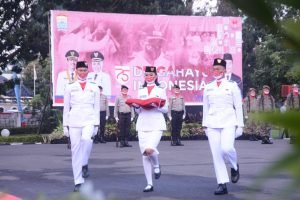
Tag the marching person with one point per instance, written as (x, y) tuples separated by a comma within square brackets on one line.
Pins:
[(250, 105), (223, 121), (123, 114), (81, 121), (176, 113), (104, 115), (266, 103), (293, 103), (150, 125)]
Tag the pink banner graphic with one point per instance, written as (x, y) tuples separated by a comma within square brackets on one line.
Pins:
[(117, 47)]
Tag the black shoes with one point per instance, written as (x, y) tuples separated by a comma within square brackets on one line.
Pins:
[(85, 171), (221, 189), (157, 174), (77, 187), (69, 143), (148, 188), (266, 140), (125, 144), (176, 143), (253, 138), (102, 140), (235, 174)]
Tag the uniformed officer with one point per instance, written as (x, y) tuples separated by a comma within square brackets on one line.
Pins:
[(150, 125), (266, 103), (81, 121), (293, 103), (68, 75), (104, 115), (123, 114), (223, 121), (98, 76), (176, 113), (250, 105)]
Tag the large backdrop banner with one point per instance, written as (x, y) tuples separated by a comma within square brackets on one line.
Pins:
[(117, 47)]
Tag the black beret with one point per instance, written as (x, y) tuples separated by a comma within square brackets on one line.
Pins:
[(150, 69), (97, 55), (227, 56), (72, 53), (124, 87), (176, 86), (81, 64), (219, 61), (100, 87)]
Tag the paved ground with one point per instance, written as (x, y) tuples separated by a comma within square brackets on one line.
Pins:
[(187, 172)]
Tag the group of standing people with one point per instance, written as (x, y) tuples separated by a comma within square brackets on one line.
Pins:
[(222, 103)]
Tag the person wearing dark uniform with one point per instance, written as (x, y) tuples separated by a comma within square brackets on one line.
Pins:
[(176, 113), (229, 71), (250, 106), (150, 125), (81, 121), (293, 103), (266, 103), (104, 115), (123, 114), (223, 122)]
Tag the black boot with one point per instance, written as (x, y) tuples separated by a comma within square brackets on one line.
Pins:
[(85, 171), (102, 140), (178, 143), (77, 187), (235, 174), (221, 189), (122, 144), (173, 142), (69, 143), (266, 140), (251, 138), (127, 144)]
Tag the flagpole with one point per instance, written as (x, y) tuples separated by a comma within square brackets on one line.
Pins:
[(34, 77)]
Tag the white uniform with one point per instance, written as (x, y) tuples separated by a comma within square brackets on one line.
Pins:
[(101, 79), (64, 78), (150, 132), (81, 115), (222, 113)]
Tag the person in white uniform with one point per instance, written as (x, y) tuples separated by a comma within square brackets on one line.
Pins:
[(98, 75), (150, 125), (81, 121), (223, 122)]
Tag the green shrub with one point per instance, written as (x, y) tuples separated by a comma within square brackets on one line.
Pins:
[(31, 138)]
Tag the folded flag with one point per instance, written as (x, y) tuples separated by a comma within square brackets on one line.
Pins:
[(147, 103)]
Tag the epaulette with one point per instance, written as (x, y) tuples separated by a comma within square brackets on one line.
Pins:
[(231, 81), (92, 82), (160, 86)]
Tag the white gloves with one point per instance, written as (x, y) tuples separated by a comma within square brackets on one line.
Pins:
[(117, 119), (238, 132), (106, 117), (170, 118), (132, 118), (66, 131), (154, 105), (246, 117), (183, 117), (95, 131)]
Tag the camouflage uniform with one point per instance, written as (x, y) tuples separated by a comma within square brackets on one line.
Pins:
[(250, 105), (266, 103), (293, 103)]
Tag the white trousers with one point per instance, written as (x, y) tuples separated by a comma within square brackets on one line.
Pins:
[(221, 142), (81, 147)]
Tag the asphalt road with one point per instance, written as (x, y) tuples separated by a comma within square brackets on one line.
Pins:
[(28, 171)]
